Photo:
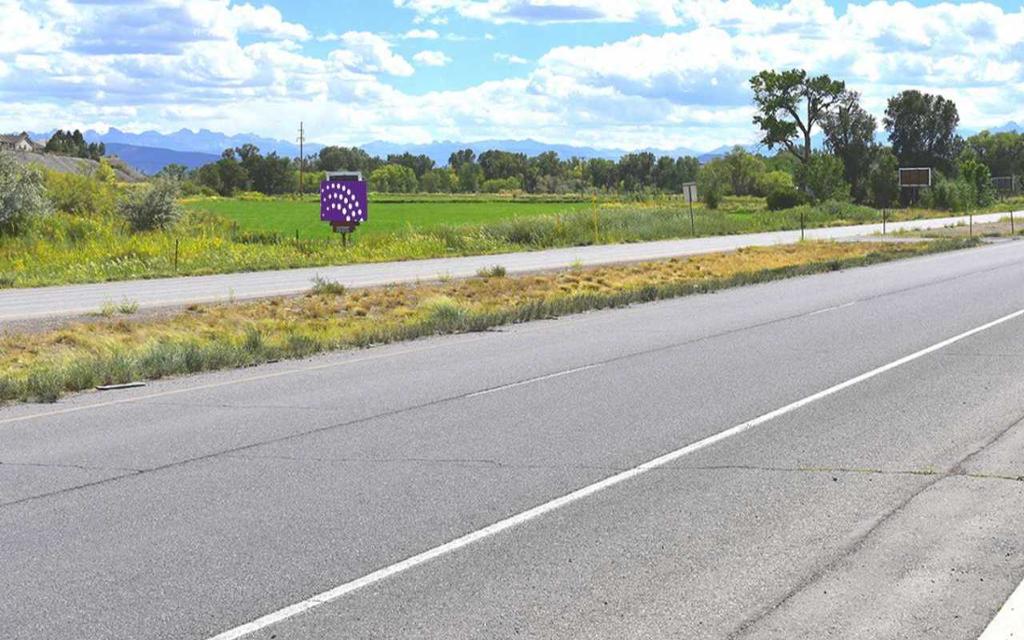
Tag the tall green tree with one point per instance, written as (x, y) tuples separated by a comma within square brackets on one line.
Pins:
[(470, 176), (850, 136), (602, 173), (272, 174), (637, 170), (743, 170), (347, 159), (1002, 153), (420, 164), (823, 179), (790, 104), (459, 158), (499, 165), (922, 130), (883, 177), (393, 178)]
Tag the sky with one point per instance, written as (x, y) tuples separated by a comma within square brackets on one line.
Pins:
[(602, 73)]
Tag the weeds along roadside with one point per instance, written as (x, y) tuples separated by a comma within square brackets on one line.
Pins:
[(67, 249), (42, 367)]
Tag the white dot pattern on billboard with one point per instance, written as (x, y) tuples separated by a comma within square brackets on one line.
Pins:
[(343, 201)]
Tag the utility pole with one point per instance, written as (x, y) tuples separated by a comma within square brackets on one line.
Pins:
[(302, 157)]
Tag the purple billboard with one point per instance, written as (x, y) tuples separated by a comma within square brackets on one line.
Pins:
[(343, 203)]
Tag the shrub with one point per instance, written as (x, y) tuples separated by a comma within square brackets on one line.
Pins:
[(497, 271), (823, 178), (779, 190), (780, 199), (952, 195), (152, 206), (393, 178), (711, 185), (978, 179), (325, 287), (883, 184), (445, 313), (498, 185), (22, 195), (81, 195)]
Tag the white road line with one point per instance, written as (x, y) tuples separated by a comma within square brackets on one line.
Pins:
[(521, 383), (521, 518), (1009, 622)]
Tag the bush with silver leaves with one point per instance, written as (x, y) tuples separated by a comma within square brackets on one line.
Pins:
[(22, 195), (152, 206)]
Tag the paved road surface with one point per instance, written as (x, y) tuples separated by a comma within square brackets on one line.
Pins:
[(888, 507), (22, 304)]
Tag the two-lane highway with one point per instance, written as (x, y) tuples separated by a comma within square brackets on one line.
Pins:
[(837, 456)]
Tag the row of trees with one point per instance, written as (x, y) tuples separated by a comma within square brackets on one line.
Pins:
[(794, 111), (72, 143), (922, 131), (241, 169), (496, 170), (246, 169)]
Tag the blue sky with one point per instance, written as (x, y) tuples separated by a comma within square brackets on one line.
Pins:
[(607, 73)]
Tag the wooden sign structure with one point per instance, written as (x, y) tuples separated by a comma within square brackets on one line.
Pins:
[(915, 178)]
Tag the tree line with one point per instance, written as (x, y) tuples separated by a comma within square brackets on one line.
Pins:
[(792, 106), (72, 143), (493, 171), (817, 143)]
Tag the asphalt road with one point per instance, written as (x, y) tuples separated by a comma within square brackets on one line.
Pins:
[(826, 504), (48, 302)]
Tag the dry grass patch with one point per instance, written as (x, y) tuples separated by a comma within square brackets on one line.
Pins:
[(42, 365)]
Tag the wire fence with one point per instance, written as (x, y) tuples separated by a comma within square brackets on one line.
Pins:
[(1008, 186)]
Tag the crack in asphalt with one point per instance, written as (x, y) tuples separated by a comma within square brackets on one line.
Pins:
[(816, 574), (56, 465)]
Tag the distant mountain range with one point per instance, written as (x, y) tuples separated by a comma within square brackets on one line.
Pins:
[(202, 141), (150, 151), (150, 160)]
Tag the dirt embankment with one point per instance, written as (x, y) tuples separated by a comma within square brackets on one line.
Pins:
[(68, 164)]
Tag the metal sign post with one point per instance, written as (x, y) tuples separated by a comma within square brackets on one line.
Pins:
[(344, 201), (690, 193)]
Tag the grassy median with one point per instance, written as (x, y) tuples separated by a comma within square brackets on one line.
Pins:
[(42, 366)]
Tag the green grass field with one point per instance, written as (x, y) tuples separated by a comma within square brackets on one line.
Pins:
[(290, 216)]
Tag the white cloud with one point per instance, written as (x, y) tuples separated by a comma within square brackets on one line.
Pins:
[(550, 11), (265, 20), (510, 59), (432, 58), (367, 52), (421, 34), (166, 64), (24, 31)]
